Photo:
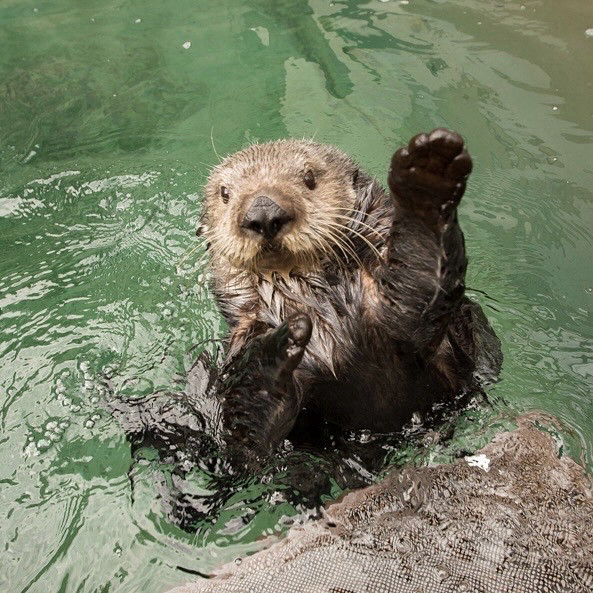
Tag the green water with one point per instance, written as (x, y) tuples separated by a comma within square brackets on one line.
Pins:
[(111, 114)]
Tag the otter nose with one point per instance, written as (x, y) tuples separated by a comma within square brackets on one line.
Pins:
[(265, 217)]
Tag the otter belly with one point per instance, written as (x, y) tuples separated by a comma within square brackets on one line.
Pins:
[(381, 397)]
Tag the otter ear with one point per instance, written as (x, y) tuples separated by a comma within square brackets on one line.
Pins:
[(355, 177)]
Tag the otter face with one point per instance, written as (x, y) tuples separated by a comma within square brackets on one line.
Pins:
[(279, 206)]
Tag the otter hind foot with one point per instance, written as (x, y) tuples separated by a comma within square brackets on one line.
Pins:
[(431, 171)]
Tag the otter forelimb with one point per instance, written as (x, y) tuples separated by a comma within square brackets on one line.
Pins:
[(423, 276), (260, 400)]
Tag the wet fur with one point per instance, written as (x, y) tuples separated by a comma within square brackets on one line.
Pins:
[(392, 331), (363, 335)]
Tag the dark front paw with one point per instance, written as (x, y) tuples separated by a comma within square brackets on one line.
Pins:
[(431, 172), (260, 399), (283, 347)]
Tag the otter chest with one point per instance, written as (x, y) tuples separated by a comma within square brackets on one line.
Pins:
[(329, 306)]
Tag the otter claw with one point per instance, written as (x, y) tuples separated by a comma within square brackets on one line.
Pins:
[(418, 142), (448, 143), (460, 166)]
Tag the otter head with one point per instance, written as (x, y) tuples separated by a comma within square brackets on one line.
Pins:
[(279, 206)]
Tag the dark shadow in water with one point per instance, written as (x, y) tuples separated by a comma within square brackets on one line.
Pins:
[(61, 107)]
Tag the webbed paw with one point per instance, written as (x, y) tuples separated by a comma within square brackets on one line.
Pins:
[(431, 171), (284, 346), (260, 401)]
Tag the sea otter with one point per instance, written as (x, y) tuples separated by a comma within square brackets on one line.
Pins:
[(341, 297)]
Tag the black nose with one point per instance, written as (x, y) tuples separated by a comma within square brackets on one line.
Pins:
[(266, 218)]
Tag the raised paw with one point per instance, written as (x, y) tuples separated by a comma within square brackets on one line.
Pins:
[(431, 171)]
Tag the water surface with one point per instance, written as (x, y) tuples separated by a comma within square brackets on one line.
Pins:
[(111, 114)]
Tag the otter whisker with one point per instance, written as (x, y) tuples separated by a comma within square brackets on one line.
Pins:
[(341, 263), (373, 247), (361, 236), (192, 247), (214, 147), (189, 253), (325, 246), (209, 168), (380, 224), (338, 236), (351, 252), (307, 247), (316, 237), (356, 221), (380, 229), (364, 213), (342, 242), (364, 224)]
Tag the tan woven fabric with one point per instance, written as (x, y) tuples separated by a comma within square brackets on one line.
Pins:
[(525, 525)]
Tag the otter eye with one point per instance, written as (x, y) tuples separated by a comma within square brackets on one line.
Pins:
[(224, 194), (309, 179)]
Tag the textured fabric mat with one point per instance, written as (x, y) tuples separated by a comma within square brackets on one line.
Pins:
[(513, 518)]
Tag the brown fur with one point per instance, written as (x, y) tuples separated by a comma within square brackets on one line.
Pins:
[(380, 277)]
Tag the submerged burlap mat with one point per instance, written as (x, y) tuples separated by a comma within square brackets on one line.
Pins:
[(513, 518)]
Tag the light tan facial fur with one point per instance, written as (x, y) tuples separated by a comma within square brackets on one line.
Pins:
[(278, 170)]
